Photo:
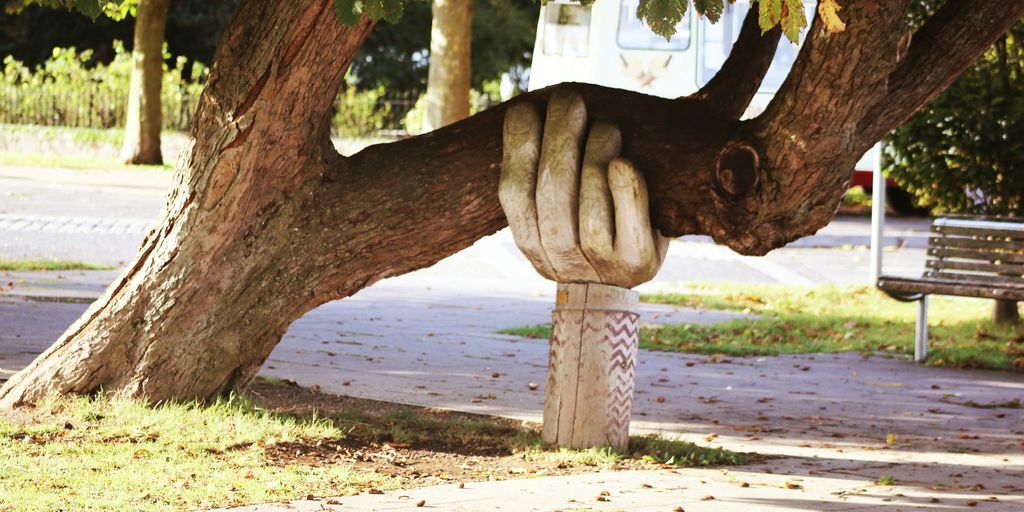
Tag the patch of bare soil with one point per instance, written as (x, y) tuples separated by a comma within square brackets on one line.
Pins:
[(422, 445)]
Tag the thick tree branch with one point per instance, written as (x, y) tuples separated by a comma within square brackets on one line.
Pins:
[(940, 51), (732, 88), (674, 142)]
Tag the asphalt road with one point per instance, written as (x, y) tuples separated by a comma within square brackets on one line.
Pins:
[(101, 216)]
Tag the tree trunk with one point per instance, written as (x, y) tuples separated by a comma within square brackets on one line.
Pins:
[(266, 220), (449, 78), (142, 128), (1005, 312)]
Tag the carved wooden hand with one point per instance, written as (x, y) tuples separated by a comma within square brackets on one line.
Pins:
[(577, 220)]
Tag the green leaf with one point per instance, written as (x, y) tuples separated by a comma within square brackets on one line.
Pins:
[(90, 8), (793, 19), (663, 15), (712, 9), (373, 9), (769, 14), (348, 11)]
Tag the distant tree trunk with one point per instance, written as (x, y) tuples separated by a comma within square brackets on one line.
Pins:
[(448, 80), (1006, 312), (142, 128)]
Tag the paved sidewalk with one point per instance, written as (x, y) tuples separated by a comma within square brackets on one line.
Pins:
[(691, 490)]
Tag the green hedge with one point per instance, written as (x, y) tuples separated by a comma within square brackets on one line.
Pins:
[(72, 90)]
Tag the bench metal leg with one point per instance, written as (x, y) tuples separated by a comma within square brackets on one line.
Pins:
[(921, 332)]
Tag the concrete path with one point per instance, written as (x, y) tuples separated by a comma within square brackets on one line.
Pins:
[(689, 490)]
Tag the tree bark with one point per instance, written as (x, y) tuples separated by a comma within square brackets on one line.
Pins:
[(449, 78), (266, 221), (142, 127)]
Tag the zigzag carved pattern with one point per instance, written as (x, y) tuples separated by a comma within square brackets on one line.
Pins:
[(563, 323), (621, 347)]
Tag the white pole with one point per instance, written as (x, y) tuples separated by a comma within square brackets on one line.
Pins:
[(877, 213)]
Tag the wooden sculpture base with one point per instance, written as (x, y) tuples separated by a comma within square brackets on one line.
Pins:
[(591, 366)]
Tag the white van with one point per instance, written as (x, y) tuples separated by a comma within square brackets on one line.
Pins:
[(606, 44)]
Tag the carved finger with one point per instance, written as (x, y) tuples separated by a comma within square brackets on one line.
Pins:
[(518, 184), (558, 188), (597, 222), (635, 243)]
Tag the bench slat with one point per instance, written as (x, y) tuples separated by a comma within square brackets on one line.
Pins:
[(976, 243), (1005, 225), (993, 230), (1011, 269), (988, 279), (939, 286), (968, 254)]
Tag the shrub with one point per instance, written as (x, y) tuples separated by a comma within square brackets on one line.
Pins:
[(70, 89), (964, 152)]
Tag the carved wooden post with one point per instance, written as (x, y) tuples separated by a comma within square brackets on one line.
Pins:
[(591, 366)]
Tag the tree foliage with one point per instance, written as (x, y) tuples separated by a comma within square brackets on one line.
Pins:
[(964, 151)]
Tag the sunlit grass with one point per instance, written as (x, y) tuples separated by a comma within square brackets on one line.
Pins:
[(118, 454), (96, 136), (71, 161), (109, 453), (10, 265), (807, 319)]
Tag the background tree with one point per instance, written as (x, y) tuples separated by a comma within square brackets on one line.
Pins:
[(145, 121), (448, 80), (267, 221), (395, 55)]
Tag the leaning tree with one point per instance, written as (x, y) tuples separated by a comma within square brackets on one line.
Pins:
[(266, 220)]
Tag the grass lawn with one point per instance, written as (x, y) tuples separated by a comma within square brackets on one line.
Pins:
[(9, 265), (798, 319), (78, 162), (277, 442), (95, 136), (117, 454)]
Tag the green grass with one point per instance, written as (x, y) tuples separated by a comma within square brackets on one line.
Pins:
[(9, 265), (76, 162), (117, 454), (108, 453), (97, 136), (816, 319)]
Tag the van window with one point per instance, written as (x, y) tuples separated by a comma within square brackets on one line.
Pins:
[(566, 30), (716, 40), (635, 35)]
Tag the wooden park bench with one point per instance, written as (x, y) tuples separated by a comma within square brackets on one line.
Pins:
[(967, 257)]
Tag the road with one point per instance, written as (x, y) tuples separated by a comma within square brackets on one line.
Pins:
[(101, 216)]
